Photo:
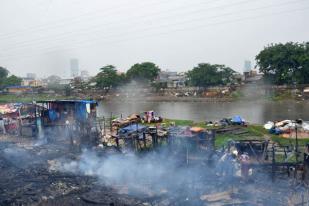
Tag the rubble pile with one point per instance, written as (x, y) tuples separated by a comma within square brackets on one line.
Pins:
[(27, 179), (30, 175)]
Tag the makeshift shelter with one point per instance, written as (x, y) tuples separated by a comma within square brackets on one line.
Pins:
[(60, 112), (133, 128), (19, 118), (68, 118)]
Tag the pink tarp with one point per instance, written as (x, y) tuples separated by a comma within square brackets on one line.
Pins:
[(8, 108)]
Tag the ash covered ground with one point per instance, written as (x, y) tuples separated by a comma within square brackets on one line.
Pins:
[(40, 173)]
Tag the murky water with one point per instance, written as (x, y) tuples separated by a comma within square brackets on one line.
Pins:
[(253, 111)]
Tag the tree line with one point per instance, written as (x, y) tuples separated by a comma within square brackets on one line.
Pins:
[(285, 63), (279, 63), (202, 75), (8, 80)]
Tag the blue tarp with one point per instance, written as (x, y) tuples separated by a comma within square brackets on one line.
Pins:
[(81, 113), (132, 128), (52, 115), (237, 119)]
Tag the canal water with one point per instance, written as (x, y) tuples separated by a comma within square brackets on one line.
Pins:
[(252, 111)]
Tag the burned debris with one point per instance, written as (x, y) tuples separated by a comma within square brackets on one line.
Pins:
[(87, 160)]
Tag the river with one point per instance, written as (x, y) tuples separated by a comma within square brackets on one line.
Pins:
[(252, 111)]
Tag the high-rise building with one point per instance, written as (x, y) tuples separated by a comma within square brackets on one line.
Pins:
[(31, 76), (247, 66), (74, 68)]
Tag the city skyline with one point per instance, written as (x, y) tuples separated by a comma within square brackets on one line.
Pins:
[(175, 35)]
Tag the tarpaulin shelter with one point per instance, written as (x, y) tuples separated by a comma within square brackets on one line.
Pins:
[(60, 111), (69, 119), (132, 128), (237, 119), (8, 109)]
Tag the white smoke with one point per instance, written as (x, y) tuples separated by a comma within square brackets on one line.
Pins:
[(154, 170)]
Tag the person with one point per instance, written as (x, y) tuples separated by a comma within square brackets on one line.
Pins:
[(2, 127), (244, 161), (226, 165)]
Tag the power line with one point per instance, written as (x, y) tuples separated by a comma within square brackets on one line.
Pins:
[(85, 32), (98, 29), (187, 21), (63, 22), (192, 28)]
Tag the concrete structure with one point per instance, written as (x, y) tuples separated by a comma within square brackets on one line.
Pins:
[(74, 68), (172, 79), (18, 89), (32, 82)]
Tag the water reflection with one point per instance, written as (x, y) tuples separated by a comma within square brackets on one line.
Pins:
[(253, 111)]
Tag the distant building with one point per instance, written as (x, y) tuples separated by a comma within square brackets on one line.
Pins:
[(31, 76), (172, 79), (32, 82), (247, 66), (65, 81), (18, 89), (84, 75), (74, 68), (53, 79)]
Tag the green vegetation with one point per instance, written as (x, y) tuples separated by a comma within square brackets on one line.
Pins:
[(108, 77), (144, 72), (237, 95), (281, 96), (254, 132), (11, 98), (6, 80), (285, 63), (205, 75)]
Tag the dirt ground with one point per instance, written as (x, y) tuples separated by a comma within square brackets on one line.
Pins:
[(27, 178)]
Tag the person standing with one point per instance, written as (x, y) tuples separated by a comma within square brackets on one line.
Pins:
[(244, 161), (2, 127)]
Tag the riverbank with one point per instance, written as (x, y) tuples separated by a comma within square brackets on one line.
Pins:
[(249, 132), (154, 97), (27, 98)]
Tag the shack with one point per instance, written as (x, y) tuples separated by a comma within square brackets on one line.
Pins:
[(19, 119), (68, 118), (193, 143)]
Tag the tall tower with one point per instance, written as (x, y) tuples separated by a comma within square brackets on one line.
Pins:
[(74, 68), (247, 66)]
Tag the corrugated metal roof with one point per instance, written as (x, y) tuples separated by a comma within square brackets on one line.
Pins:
[(68, 101)]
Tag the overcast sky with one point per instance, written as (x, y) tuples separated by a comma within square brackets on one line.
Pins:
[(41, 36)]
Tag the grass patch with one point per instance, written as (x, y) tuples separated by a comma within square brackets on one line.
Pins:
[(237, 95), (178, 122), (12, 98)]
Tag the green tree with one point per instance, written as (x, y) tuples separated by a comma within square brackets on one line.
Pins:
[(12, 80), (144, 72), (108, 77), (285, 63), (3, 75), (206, 74)]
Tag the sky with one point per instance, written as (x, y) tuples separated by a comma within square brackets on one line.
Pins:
[(41, 36)]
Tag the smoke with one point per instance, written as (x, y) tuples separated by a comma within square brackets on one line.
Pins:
[(157, 172), (20, 157)]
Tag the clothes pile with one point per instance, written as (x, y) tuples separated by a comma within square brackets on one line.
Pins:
[(287, 128)]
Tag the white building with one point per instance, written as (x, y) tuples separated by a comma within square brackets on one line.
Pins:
[(74, 68), (172, 79)]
